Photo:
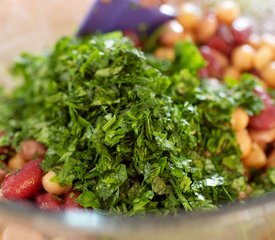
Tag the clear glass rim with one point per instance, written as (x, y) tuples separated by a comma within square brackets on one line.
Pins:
[(87, 223)]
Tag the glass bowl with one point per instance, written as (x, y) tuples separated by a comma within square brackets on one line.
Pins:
[(33, 25)]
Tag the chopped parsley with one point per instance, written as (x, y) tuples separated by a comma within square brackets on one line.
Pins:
[(133, 134)]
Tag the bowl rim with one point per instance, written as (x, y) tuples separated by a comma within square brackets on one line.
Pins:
[(87, 223)]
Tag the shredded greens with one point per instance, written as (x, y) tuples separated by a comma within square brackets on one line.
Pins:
[(134, 134)]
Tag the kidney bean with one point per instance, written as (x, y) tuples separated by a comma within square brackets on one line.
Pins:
[(259, 91), (47, 201), (214, 65), (241, 30), (31, 149), (133, 36), (23, 183), (70, 200), (223, 40), (220, 44), (266, 119)]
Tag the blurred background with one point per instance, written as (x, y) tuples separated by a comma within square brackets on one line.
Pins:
[(32, 25)]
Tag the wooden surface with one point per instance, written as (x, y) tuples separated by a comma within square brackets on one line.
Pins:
[(33, 25)]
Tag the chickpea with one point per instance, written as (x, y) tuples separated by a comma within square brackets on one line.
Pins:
[(206, 27), (239, 120), (190, 36), (262, 57), (16, 162), (31, 149), (242, 196), (172, 33), (256, 158), (254, 40), (242, 57), (53, 187), (150, 3), (244, 141), (262, 145), (233, 72), (189, 15), (271, 159), (165, 53), (227, 11), (268, 40), (268, 74)]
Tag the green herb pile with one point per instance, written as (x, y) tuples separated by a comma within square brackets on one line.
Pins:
[(132, 133)]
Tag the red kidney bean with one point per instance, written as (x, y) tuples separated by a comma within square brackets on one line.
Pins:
[(266, 119), (23, 183), (47, 201), (133, 36), (241, 30), (70, 200), (220, 44), (31, 149), (222, 41), (264, 96), (214, 67)]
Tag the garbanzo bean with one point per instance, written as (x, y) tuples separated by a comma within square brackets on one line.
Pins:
[(244, 141), (242, 57), (256, 158), (227, 11), (53, 187), (262, 57), (189, 15), (231, 71), (254, 40), (16, 162), (268, 40), (172, 33), (268, 74), (206, 27), (165, 53), (239, 120)]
